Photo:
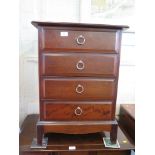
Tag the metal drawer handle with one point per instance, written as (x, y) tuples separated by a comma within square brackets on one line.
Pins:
[(80, 65), (80, 40), (79, 89), (78, 111)]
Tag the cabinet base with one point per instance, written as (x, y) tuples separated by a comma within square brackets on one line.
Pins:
[(76, 127)]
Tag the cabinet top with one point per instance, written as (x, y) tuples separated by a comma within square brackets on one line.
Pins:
[(87, 25)]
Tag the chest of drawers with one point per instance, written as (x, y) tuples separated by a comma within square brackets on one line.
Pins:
[(78, 76)]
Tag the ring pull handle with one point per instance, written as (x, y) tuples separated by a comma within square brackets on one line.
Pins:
[(78, 111), (80, 65), (80, 40), (79, 89)]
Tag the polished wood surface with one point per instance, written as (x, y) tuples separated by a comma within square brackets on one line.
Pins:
[(76, 127), (79, 64), (87, 144), (92, 40), (78, 88), (86, 25), (127, 119), (77, 111), (130, 109)]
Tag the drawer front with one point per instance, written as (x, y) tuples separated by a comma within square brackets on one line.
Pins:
[(77, 64), (83, 40), (77, 110), (77, 88)]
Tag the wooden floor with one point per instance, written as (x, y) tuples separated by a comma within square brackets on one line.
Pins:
[(89, 144)]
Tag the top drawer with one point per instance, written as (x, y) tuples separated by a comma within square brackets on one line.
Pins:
[(105, 41)]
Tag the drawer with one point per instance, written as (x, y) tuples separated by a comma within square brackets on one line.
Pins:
[(77, 110), (77, 88), (84, 40), (78, 64)]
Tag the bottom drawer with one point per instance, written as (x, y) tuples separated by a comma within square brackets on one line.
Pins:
[(77, 111)]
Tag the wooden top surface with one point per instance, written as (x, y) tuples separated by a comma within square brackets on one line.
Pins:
[(87, 25), (61, 142), (130, 109)]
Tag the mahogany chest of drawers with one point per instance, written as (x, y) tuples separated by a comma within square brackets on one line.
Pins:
[(78, 76)]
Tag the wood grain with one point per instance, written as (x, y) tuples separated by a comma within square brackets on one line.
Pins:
[(127, 119), (52, 39), (67, 111), (67, 88), (78, 25), (61, 47), (58, 144), (68, 64)]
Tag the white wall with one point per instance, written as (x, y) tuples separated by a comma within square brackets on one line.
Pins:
[(49, 10), (67, 11)]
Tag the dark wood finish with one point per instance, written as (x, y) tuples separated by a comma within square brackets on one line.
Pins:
[(96, 49), (65, 64), (76, 127), (36, 153), (127, 119), (93, 153), (98, 41), (87, 144), (70, 88), (113, 135), (40, 134), (77, 111), (83, 25)]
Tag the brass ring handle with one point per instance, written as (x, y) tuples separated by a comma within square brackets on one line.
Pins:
[(80, 65), (79, 89), (78, 111), (80, 40)]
